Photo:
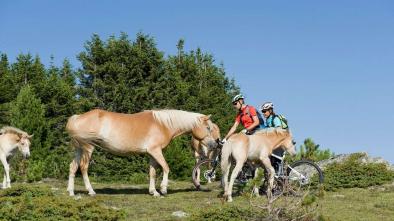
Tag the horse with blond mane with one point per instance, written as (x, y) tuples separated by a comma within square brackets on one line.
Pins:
[(123, 134), (256, 148), (10, 139), (201, 151)]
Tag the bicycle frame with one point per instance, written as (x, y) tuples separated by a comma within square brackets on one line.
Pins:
[(282, 170)]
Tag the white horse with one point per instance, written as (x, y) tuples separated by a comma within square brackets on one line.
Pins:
[(10, 139), (255, 148)]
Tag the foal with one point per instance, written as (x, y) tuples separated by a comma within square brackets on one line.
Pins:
[(256, 148), (10, 139)]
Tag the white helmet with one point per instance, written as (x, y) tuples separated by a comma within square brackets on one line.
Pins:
[(267, 106), (237, 97)]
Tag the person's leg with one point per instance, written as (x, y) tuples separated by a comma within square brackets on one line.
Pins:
[(275, 162)]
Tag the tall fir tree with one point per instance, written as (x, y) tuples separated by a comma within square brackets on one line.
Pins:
[(7, 89)]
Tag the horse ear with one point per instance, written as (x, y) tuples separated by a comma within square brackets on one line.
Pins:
[(30, 136), (206, 117)]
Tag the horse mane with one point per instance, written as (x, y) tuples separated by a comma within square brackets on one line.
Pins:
[(13, 130), (177, 119), (273, 131)]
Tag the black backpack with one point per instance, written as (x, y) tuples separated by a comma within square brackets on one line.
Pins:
[(261, 120)]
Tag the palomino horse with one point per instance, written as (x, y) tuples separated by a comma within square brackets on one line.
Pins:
[(123, 134), (256, 148), (11, 138), (201, 151)]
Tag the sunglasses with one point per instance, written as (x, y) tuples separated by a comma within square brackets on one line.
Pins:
[(235, 103), (263, 111)]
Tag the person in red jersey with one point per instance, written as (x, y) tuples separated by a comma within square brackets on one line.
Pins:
[(247, 115)]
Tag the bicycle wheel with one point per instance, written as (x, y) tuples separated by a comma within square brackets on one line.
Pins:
[(304, 176), (206, 174)]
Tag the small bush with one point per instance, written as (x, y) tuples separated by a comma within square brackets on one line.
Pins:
[(230, 213), (352, 173), (35, 171)]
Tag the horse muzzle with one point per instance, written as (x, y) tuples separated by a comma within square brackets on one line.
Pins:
[(212, 144), (26, 155)]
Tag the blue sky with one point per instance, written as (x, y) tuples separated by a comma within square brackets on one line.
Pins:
[(327, 65)]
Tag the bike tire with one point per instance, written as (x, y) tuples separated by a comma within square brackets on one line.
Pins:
[(304, 175), (202, 181)]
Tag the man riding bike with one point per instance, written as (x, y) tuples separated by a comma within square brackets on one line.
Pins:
[(272, 120), (246, 115)]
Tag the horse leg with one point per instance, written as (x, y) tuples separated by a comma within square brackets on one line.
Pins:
[(7, 180), (84, 165), (4, 180), (197, 157), (256, 188), (271, 173), (234, 174), (157, 154), (225, 165), (153, 165), (73, 169)]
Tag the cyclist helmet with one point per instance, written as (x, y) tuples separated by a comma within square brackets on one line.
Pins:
[(267, 106), (237, 97)]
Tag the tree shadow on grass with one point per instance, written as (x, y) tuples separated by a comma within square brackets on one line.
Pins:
[(133, 191)]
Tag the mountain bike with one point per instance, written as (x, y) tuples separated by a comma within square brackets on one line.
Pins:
[(210, 171), (297, 177), (294, 179)]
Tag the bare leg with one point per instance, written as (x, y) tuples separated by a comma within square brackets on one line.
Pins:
[(73, 169), (157, 154), (84, 164), (6, 172)]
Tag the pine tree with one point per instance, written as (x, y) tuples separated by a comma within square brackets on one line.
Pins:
[(7, 89), (27, 113), (310, 150)]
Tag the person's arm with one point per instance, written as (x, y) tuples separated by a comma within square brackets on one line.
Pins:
[(255, 118), (256, 122), (232, 130)]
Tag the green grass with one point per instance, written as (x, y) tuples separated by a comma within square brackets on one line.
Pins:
[(136, 204), (360, 204)]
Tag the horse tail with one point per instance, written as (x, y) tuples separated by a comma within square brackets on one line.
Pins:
[(70, 128)]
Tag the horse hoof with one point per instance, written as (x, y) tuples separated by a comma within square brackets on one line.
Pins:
[(229, 200), (163, 191), (71, 193), (156, 194), (92, 193)]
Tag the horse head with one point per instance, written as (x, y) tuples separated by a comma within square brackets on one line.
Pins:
[(206, 132), (24, 144), (288, 143)]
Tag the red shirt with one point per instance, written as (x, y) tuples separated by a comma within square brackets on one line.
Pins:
[(246, 119)]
